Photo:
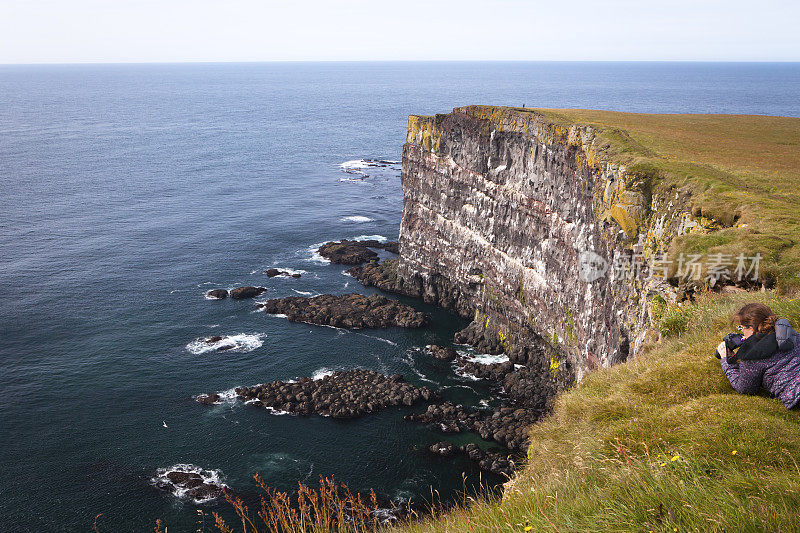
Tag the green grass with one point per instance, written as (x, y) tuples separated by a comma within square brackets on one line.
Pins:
[(741, 172), (649, 445)]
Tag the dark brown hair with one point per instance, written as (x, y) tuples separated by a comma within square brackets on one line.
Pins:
[(759, 316)]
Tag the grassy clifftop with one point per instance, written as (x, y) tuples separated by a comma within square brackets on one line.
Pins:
[(742, 172), (660, 443)]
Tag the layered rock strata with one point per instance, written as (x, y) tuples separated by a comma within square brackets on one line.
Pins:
[(515, 222)]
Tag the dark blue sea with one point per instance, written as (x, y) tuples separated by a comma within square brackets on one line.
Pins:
[(128, 191)]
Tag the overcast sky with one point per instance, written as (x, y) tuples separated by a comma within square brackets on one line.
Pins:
[(73, 31)]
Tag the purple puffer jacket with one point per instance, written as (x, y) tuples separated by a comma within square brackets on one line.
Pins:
[(779, 374)]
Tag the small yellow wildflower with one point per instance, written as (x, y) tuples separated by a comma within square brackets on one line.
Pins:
[(663, 464), (675, 458), (733, 452), (528, 528)]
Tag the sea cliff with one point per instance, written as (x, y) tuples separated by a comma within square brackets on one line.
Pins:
[(516, 221)]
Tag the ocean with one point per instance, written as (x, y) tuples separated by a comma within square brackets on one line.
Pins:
[(128, 191)]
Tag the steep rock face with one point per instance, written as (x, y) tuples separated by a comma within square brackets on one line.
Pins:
[(515, 222)]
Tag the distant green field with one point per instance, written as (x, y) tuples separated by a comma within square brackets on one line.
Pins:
[(743, 171)]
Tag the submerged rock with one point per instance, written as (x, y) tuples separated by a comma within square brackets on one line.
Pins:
[(347, 311), (208, 399), (189, 481), (342, 394), (444, 448), (241, 293), (218, 294), (272, 272)]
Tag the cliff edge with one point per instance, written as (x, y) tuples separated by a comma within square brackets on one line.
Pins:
[(555, 230)]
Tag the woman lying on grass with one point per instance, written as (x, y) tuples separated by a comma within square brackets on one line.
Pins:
[(765, 354)]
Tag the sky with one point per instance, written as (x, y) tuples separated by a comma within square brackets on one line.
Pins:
[(115, 31)]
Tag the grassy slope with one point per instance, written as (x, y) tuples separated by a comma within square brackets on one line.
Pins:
[(743, 172), (663, 443), (649, 446)]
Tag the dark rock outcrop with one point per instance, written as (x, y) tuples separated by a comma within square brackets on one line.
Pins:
[(272, 272), (443, 448), (240, 293), (489, 461), (347, 252), (382, 275), (354, 311), (208, 399), (443, 353), (188, 481), (219, 294), (505, 425), (343, 394)]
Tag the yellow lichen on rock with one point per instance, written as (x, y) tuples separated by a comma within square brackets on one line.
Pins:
[(424, 132)]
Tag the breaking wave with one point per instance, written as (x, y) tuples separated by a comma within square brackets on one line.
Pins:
[(241, 342), (379, 238), (357, 219), (186, 490)]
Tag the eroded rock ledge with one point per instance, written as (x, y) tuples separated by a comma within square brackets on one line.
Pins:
[(353, 311), (347, 252), (343, 394)]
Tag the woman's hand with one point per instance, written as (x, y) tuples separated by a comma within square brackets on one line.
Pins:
[(722, 350)]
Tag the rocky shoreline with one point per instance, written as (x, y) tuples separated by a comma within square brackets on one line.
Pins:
[(524, 394)]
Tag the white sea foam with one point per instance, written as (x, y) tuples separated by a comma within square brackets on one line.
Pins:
[(276, 412), (485, 358), (357, 219), (407, 359), (291, 270), (212, 477), (466, 375), (315, 256), (387, 341), (321, 373), (240, 342), (277, 315), (366, 163), (379, 238), (228, 396), (304, 293), (356, 164)]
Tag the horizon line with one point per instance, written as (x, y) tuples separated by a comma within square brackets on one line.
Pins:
[(233, 62)]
